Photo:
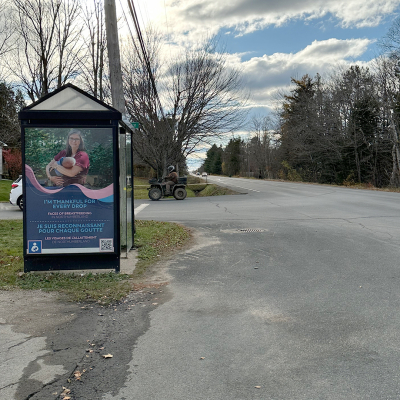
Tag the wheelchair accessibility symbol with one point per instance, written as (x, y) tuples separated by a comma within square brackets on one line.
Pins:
[(34, 246)]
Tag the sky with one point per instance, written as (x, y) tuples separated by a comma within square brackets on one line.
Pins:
[(272, 41)]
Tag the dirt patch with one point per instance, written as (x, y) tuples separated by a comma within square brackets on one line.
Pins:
[(35, 312)]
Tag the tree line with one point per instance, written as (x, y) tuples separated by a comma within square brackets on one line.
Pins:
[(342, 129), (45, 44), (338, 129)]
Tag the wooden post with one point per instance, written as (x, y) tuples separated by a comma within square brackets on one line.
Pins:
[(118, 102), (117, 90)]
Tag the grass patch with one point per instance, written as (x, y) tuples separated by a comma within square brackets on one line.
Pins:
[(140, 181), (198, 187), (5, 187), (215, 190), (153, 238), (140, 188), (140, 193), (194, 179)]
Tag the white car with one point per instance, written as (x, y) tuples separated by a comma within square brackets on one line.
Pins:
[(16, 198), (204, 174)]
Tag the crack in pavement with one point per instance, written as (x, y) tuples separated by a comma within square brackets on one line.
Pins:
[(57, 350), (10, 384), (218, 206), (43, 386), (20, 343)]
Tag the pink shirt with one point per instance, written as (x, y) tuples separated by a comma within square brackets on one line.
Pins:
[(82, 160)]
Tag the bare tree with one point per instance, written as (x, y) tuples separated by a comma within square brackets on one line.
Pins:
[(261, 147), (6, 28), (48, 44), (203, 98), (7, 37), (206, 97), (93, 63), (387, 76), (141, 104), (390, 43)]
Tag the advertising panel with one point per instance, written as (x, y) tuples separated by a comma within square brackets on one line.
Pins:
[(69, 190)]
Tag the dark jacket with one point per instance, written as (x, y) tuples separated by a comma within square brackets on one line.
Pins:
[(173, 176)]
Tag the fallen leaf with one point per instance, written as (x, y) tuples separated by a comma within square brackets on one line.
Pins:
[(65, 391), (101, 348), (202, 358), (77, 375), (257, 387), (107, 356), (154, 304)]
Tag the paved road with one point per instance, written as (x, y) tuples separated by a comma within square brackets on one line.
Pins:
[(291, 293), (8, 211)]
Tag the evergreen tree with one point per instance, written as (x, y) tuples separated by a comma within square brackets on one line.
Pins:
[(217, 169), (232, 157), (10, 104), (213, 161), (210, 159)]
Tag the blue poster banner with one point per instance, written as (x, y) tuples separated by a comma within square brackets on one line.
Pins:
[(72, 219), (69, 199)]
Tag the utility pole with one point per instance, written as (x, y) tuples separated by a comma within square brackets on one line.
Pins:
[(118, 102), (117, 90)]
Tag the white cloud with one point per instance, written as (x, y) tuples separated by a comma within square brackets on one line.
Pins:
[(205, 17), (191, 21), (270, 74)]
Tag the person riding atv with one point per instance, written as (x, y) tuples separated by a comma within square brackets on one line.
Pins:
[(170, 180), (170, 186)]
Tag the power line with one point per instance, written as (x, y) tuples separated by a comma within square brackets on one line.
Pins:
[(145, 55), (166, 19), (130, 31)]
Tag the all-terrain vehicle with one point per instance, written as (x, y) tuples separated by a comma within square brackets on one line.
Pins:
[(157, 190)]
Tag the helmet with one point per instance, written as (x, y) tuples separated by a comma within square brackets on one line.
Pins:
[(170, 168)]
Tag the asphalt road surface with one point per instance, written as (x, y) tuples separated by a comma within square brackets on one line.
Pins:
[(292, 291), (8, 211)]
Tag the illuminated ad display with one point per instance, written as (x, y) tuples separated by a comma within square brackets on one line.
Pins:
[(69, 190)]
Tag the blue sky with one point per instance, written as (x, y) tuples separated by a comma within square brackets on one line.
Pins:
[(274, 40), (264, 36), (296, 35)]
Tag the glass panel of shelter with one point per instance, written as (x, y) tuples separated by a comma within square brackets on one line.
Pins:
[(126, 193), (129, 192), (122, 194)]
